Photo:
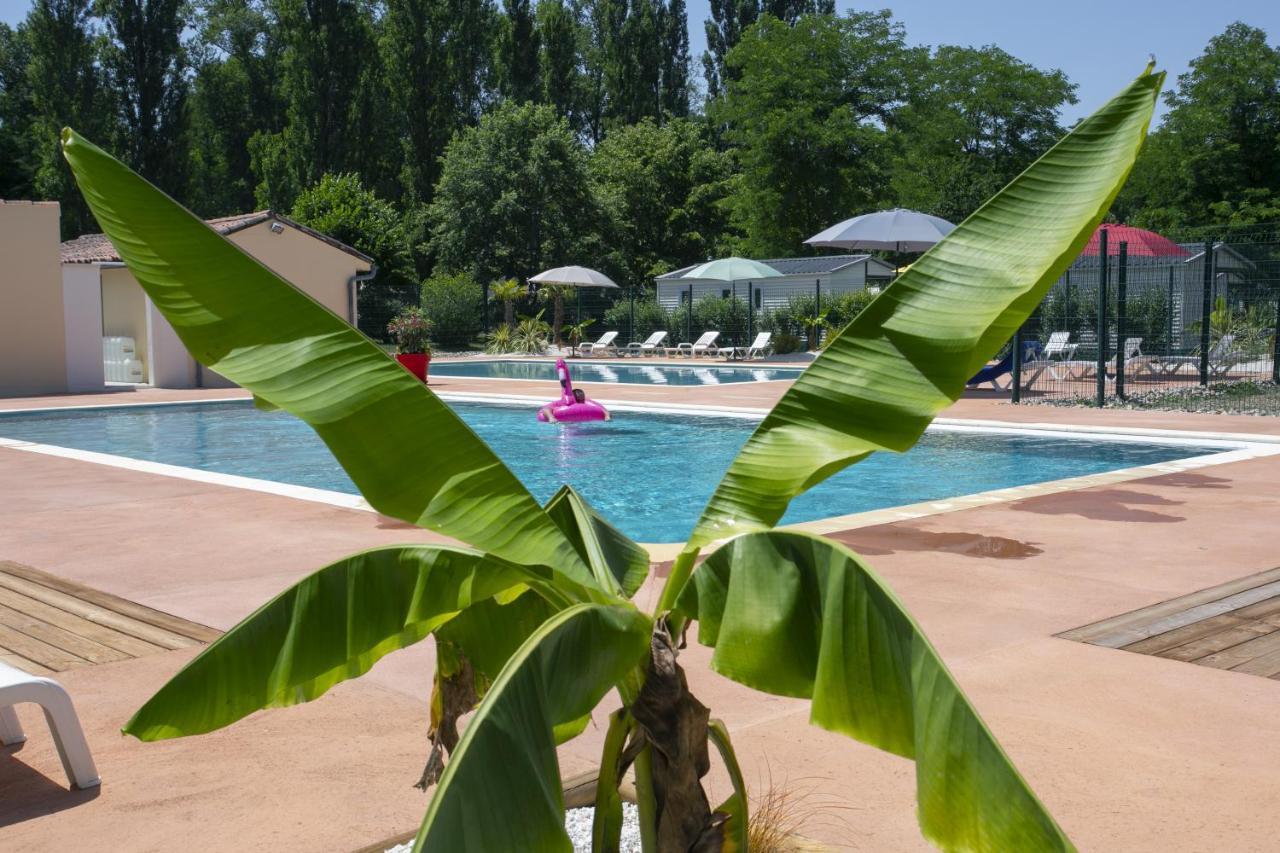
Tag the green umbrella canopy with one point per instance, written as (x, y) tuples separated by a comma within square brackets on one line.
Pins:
[(732, 269)]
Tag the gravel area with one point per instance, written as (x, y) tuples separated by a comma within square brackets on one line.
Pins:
[(578, 823), (1246, 397)]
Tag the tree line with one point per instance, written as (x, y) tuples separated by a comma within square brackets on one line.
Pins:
[(496, 138)]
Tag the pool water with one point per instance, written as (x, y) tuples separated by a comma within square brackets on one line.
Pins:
[(650, 474), (626, 374)]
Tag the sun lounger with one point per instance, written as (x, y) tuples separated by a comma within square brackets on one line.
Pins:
[(705, 345), (1056, 354), (992, 373), (16, 687), (605, 344), (1222, 358), (758, 349), (649, 346)]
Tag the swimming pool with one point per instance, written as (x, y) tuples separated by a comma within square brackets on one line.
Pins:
[(613, 372), (649, 473)]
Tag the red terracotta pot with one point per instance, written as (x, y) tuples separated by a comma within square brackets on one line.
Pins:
[(415, 362)]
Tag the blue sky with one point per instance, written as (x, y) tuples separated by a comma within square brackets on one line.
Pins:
[(1100, 45)]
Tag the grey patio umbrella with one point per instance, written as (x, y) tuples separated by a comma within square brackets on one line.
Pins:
[(897, 230), (574, 277), (732, 269)]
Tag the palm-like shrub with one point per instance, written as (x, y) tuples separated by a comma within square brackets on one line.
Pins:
[(533, 617)]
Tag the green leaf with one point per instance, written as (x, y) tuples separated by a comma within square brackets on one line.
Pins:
[(798, 615), (907, 356), (606, 824), (735, 828), (620, 565), (489, 632), (408, 453), (502, 789), (331, 626)]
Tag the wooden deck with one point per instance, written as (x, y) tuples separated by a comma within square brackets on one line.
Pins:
[(1233, 626), (49, 625)]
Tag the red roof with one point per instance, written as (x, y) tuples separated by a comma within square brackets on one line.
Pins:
[(1139, 241)]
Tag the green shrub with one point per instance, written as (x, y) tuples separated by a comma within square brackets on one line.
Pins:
[(650, 317), (725, 315), (784, 343), (500, 341), (532, 334), (453, 304)]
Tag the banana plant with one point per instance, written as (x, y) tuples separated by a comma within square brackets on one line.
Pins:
[(533, 619)]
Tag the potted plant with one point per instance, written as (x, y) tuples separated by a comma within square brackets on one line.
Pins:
[(410, 329)]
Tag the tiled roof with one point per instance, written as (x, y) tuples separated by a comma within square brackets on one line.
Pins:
[(816, 265), (96, 248)]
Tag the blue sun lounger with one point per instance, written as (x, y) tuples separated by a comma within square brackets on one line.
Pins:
[(992, 372)]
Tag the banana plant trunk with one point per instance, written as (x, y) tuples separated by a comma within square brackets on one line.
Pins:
[(675, 726)]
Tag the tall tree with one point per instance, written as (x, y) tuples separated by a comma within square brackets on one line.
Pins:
[(661, 187), (17, 152), (146, 65), (731, 18), (560, 63), (804, 111), (632, 59), (518, 53), (513, 196), (333, 86), (66, 89), (975, 118), (675, 59), (235, 94), (1218, 148)]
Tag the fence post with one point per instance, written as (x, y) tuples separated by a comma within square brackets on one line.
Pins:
[(1275, 345), (817, 310), (633, 311), (1168, 343), (751, 312), (1206, 309), (1101, 366), (689, 329), (1015, 374), (484, 307), (1122, 349)]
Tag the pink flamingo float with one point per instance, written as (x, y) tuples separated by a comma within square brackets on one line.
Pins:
[(573, 406)]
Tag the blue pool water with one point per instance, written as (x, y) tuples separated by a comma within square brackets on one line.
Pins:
[(627, 374), (649, 474)]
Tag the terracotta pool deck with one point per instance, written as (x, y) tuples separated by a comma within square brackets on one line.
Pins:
[(1129, 751)]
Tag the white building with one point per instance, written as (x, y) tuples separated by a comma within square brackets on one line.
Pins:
[(121, 336), (824, 275)]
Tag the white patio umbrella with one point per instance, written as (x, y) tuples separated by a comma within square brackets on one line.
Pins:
[(895, 230), (574, 277), (732, 269)]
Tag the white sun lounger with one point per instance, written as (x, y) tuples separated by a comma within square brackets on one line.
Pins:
[(705, 345), (16, 687), (1056, 353), (1222, 357), (759, 348), (649, 346), (605, 344)]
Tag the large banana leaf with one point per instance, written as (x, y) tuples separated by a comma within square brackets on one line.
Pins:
[(798, 615), (620, 565), (408, 453), (331, 626), (501, 789), (879, 382)]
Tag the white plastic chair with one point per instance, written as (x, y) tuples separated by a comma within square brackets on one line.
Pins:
[(17, 686)]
